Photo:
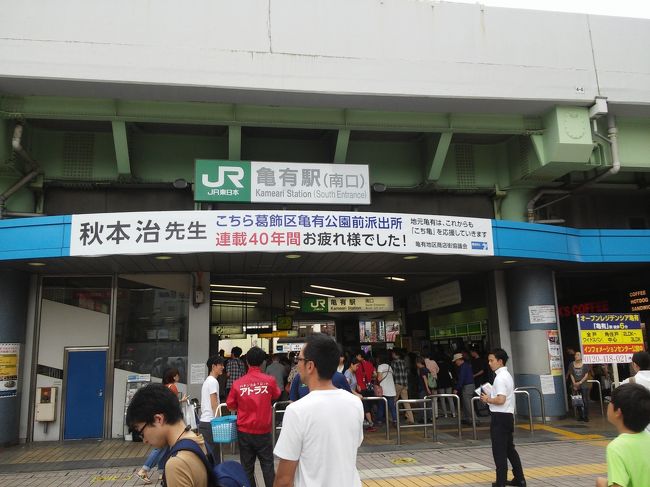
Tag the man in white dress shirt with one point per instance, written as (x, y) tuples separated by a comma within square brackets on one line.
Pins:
[(501, 401)]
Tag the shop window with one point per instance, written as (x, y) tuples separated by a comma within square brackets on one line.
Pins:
[(151, 328), (92, 293)]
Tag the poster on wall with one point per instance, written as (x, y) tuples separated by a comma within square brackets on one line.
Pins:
[(554, 352), (372, 331), (392, 331), (9, 369), (541, 314)]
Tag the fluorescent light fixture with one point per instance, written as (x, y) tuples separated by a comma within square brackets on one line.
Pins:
[(247, 293), (293, 256), (37, 264), (230, 286), (163, 257), (393, 278), (295, 302), (293, 306), (339, 290), (509, 261), (410, 257), (225, 301), (318, 294), (233, 305)]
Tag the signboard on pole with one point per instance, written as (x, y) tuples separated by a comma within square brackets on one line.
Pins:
[(609, 338), (281, 182)]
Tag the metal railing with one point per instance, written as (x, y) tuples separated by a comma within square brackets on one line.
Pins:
[(434, 401), (600, 394), (526, 394), (385, 401), (411, 402), (275, 411), (541, 399), (474, 432)]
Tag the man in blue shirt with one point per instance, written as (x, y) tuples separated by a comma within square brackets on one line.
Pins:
[(299, 390), (464, 386)]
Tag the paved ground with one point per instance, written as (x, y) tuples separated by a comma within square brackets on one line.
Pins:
[(563, 454), (555, 464)]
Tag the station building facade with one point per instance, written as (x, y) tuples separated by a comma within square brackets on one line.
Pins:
[(502, 190)]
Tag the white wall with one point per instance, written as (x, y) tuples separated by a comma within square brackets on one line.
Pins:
[(377, 47), (64, 326)]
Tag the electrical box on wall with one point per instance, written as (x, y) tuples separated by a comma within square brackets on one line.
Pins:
[(45, 404)]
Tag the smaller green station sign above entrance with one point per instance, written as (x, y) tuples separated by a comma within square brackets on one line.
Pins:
[(281, 182), (353, 304)]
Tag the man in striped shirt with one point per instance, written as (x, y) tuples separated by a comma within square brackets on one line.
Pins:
[(235, 368), (400, 376)]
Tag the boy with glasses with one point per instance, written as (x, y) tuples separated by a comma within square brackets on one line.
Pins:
[(155, 413)]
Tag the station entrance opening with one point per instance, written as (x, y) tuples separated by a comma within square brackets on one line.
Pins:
[(422, 313)]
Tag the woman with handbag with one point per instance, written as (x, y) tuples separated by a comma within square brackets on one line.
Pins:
[(579, 375), (386, 381)]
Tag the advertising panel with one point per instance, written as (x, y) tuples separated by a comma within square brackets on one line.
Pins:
[(372, 331), (554, 352), (9, 369), (609, 338)]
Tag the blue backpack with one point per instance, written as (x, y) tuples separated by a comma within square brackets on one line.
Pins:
[(226, 474)]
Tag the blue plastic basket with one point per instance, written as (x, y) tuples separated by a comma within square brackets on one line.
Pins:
[(224, 429)]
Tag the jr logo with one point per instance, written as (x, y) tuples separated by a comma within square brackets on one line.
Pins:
[(234, 173), (318, 304)]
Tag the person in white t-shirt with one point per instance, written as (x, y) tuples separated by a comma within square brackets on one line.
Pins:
[(320, 433), (386, 380), (209, 405), (501, 401)]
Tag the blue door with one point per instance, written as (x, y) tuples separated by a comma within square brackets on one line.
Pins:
[(84, 396)]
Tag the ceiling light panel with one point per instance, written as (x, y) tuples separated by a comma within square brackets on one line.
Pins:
[(239, 293), (231, 286)]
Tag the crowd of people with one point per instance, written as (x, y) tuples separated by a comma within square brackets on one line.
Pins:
[(320, 449), (249, 384)]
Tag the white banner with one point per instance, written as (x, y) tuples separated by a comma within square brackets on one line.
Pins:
[(185, 232)]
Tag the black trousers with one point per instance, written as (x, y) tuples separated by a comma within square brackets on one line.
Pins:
[(502, 426), (214, 449), (261, 447)]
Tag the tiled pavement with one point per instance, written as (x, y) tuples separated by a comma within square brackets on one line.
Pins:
[(555, 464), (574, 456)]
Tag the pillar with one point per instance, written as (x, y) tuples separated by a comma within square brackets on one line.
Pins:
[(14, 289), (532, 311), (198, 340)]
